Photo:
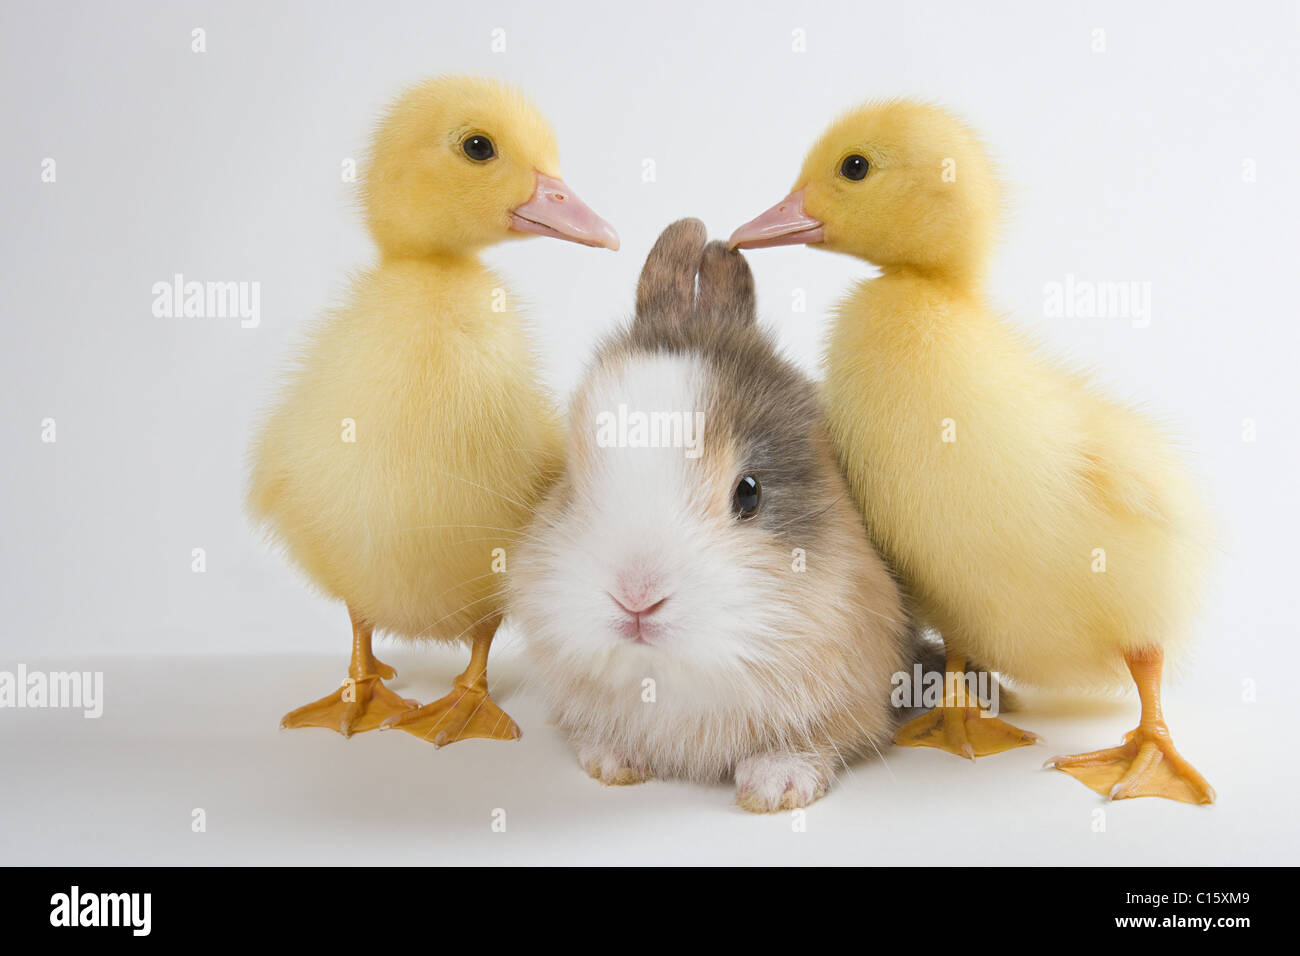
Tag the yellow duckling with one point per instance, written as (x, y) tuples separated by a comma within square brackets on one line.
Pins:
[(1045, 530), (413, 438)]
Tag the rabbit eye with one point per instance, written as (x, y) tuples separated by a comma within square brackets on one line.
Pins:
[(854, 168), (747, 497), (479, 148)]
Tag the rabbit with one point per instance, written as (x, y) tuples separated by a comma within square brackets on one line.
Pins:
[(697, 594)]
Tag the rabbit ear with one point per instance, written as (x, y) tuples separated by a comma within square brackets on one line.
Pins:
[(726, 287), (665, 294)]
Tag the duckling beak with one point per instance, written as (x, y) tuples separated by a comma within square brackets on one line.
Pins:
[(785, 224), (555, 211)]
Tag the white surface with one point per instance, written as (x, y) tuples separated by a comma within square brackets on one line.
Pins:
[(1123, 165), (180, 734)]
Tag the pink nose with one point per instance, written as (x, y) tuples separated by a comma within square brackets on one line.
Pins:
[(639, 593), (641, 608)]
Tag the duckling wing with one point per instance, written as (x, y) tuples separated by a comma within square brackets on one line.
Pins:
[(1128, 465)]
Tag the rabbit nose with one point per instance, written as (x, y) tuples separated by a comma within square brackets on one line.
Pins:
[(639, 593), (639, 609)]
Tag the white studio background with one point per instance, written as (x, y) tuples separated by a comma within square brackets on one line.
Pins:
[(1168, 157)]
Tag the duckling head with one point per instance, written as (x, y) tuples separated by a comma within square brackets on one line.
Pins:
[(459, 163), (904, 185)]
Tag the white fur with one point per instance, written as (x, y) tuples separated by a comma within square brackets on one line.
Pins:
[(748, 658), (640, 513), (776, 781)]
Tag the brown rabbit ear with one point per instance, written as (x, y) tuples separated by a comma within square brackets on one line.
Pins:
[(726, 287), (665, 294)]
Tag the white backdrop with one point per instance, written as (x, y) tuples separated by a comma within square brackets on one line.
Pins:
[(1126, 164), (1168, 158)]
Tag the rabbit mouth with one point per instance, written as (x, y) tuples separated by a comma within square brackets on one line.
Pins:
[(639, 623), (639, 632)]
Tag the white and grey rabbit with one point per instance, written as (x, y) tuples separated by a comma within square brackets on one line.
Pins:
[(700, 599)]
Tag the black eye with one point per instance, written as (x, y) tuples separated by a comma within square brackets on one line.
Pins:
[(748, 494), (854, 167), (479, 148)]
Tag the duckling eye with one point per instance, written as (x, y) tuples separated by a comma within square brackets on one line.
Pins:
[(854, 168), (479, 148), (746, 499)]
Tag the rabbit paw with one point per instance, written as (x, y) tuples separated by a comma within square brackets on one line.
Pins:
[(610, 767), (769, 782)]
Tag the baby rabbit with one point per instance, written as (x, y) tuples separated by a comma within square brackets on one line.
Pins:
[(698, 593)]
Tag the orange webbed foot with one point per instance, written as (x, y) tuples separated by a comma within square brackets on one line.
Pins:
[(360, 704), (965, 731), (961, 724), (465, 713), (1146, 764)]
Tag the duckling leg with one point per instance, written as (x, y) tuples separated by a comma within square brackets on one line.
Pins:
[(362, 702), (467, 711), (958, 725), (1146, 763)]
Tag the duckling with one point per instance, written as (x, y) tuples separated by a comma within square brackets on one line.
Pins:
[(1045, 530), (413, 438)]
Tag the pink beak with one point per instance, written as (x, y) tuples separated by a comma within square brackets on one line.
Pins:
[(785, 224), (556, 212)]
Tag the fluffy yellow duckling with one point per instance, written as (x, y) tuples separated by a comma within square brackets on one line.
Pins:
[(1045, 530), (413, 439)]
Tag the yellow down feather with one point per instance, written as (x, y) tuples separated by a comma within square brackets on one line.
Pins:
[(454, 441), (1056, 530)]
